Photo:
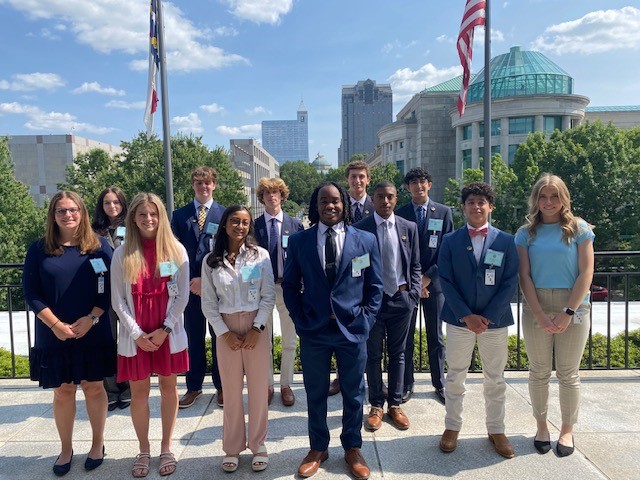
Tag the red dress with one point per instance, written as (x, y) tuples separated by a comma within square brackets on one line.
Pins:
[(150, 297)]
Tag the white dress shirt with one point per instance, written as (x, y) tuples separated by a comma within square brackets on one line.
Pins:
[(322, 240), (279, 218), (477, 241), (393, 243)]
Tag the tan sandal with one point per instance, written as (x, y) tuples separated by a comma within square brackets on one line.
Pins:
[(168, 465), (139, 465), (260, 459)]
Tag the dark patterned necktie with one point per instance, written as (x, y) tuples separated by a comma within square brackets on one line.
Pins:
[(273, 246), (421, 217), (202, 216), (357, 214), (330, 266)]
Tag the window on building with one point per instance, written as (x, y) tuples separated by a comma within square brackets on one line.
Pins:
[(400, 165), (401, 145), (552, 123), (466, 159), (494, 149), (495, 128), (519, 125), (512, 153), (391, 147), (466, 132)]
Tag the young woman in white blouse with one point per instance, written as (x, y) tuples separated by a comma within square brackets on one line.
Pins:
[(238, 295)]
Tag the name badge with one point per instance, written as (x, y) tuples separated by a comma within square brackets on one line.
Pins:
[(252, 294), (172, 288), (98, 265), (250, 272), (577, 319), (121, 231), (100, 284), (494, 258), (285, 241), (490, 277), (360, 263), (212, 228), (167, 269), (211, 244), (433, 241), (435, 224)]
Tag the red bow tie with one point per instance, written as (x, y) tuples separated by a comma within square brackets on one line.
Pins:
[(478, 231)]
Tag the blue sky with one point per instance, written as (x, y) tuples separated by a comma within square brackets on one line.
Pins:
[(80, 66)]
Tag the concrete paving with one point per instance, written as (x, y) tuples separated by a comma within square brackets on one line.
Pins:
[(607, 437)]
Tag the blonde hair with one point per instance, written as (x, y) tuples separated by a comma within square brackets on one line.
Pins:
[(267, 184), (568, 222), (88, 241), (167, 246)]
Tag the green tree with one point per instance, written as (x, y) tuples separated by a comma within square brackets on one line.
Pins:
[(301, 178)]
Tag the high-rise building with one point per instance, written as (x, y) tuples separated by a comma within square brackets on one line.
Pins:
[(366, 108), (287, 140)]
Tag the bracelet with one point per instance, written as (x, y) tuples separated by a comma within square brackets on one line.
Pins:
[(51, 327)]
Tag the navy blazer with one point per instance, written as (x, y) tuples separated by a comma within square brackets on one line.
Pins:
[(184, 224), (367, 211), (409, 251), (463, 279), (354, 301), (290, 226), (429, 256)]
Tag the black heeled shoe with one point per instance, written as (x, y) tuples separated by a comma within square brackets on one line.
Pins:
[(563, 450), (62, 470), (542, 446), (93, 463)]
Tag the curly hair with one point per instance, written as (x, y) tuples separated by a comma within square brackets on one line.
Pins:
[(417, 174), (478, 188), (314, 215), (267, 184)]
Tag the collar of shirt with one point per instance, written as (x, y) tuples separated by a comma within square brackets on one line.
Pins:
[(354, 201), (486, 225), (279, 217), (425, 205), (240, 255), (379, 219), (338, 227), (208, 204)]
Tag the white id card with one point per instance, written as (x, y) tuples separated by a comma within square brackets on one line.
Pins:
[(98, 265), (172, 288), (100, 284), (253, 294), (211, 244), (490, 277), (577, 319), (433, 241), (121, 232)]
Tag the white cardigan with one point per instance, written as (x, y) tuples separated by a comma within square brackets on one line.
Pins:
[(122, 303)]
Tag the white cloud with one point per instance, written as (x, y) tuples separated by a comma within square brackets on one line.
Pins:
[(397, 45), (225, 32), (444, 38), (261, 11), (126, 105), (28, 82), (405, 82), (189, 124), (212, 108), (596, 32), (48, 34), (260, 110), (478, 38), (123, 26), (87, 87), (50, 122), (244, 130)]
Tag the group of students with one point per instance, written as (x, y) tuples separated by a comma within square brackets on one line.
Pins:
[(346, 286)]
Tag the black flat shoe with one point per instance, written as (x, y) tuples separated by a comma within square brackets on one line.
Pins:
[(542, 446), (563, 450), (112, 406), (62, 470), (93, 463), (122, 404)]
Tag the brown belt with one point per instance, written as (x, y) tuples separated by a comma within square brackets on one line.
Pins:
[(278, 281)]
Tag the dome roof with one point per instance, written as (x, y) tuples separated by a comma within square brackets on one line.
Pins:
[(521, 73), (321, 163)]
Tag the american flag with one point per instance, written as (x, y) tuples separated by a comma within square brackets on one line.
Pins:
[(474, 13), (154, 62)]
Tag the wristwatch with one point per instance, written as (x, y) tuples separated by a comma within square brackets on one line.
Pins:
[(168, 329), (258, 328), (568, 311), (94, 319)]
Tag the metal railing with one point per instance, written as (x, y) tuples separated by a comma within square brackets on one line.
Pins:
[(612, 272)]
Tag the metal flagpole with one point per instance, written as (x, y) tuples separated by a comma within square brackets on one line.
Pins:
[(166, 133), (487, 93)]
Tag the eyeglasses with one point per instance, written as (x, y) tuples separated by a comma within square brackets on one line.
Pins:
[(236, 222), (61, 212)]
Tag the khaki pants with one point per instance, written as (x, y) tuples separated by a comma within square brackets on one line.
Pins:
[(568, 348), (233, 366), (492, 346), (288, 331)]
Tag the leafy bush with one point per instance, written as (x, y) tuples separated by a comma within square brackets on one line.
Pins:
[(22, 365)]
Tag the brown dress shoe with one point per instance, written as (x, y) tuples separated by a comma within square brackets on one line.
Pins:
[(502, 444), (220, 398), (311, 462), (334, 387), (270, 396), (357, 464), (374, 419), (288, 398), (189, 398), (449, 441), (398, 417)]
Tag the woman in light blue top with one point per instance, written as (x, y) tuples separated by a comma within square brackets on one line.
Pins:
[(556, 270)]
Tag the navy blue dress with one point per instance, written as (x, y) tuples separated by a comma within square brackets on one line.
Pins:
[(68, 285)]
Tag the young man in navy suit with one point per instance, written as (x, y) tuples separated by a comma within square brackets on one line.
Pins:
[(434, 220), (358, 179), (272, 230), (333, 290), (195, 226), (479, 274), (400, 253)]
